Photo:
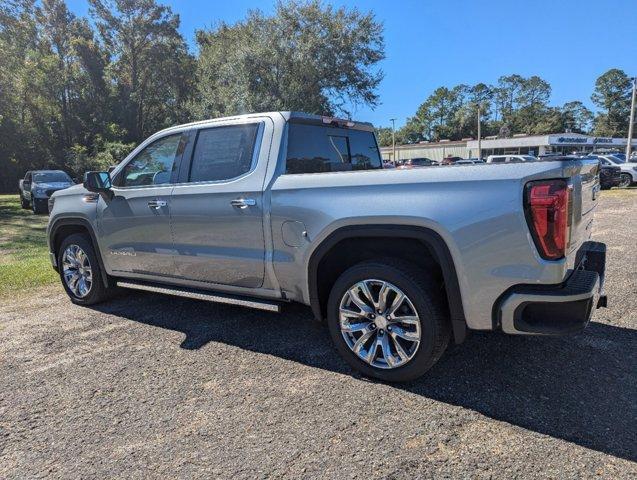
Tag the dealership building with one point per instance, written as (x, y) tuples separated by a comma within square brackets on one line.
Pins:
[(517, 144)]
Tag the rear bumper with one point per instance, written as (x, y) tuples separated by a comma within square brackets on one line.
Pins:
[(558, 309)]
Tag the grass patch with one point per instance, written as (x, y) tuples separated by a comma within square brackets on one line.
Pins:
[(24, 256)]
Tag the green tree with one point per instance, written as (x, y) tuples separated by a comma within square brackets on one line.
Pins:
[(532, 105), (307, 56), (507, 94), (24, 129), (150, 67), (384, 137), (612, 95), (550, 120), (576, 117), (437, 117)]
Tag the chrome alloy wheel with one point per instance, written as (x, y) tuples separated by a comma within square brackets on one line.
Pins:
[(76, 270), (379, 324)]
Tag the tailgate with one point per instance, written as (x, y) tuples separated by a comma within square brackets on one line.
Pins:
[(585, 181)]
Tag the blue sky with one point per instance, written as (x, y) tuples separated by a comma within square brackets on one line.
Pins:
[(443, 43)]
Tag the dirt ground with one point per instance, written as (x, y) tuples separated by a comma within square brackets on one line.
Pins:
[(149, 387)]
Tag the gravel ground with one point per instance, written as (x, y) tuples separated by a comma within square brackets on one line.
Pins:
[(151, 386)]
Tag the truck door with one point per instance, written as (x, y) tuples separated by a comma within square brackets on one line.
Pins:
[(134, 225), (217, 209)]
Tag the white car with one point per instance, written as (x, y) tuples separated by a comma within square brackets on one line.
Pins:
[(510, 158), (628, 169)]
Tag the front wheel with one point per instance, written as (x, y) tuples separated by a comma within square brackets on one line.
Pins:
[(24, 203), (39, 207), (625, 180), (388, 319), (80, 271)]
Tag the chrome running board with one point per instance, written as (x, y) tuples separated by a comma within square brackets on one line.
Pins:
[(203, 295)]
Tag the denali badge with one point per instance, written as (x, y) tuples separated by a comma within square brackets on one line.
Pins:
[(126, 253)]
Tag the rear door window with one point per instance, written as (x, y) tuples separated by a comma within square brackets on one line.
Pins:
[(223, 153), (316, 149)]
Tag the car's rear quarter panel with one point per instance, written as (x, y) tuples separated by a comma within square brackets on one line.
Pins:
[(476, 209)]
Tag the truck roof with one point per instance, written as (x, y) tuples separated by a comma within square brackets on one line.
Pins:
[(288, 116)]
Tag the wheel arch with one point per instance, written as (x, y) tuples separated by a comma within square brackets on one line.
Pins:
[(430, 239), (63, 227)]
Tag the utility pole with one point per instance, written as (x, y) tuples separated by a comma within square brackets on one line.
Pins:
[(479, 135), (393, 139), (631, 123)]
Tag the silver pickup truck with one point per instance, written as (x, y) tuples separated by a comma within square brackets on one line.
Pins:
[(38, 185), (263, 209)]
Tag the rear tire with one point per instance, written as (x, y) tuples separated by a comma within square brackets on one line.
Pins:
[(71, 246), (424, 297)]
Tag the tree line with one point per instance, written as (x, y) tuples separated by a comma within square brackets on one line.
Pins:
[(79, 93), (516, 105)]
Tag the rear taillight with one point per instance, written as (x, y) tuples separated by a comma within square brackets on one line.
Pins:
[(547, 213)]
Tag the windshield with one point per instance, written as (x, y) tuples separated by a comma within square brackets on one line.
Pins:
[(50, 177), (529, 158)]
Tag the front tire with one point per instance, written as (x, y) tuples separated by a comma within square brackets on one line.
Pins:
[(24, 203), (625, 180), (80, 272), (388, 319), (38, 208)]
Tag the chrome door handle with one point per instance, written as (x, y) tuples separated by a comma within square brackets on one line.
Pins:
[(243, 202), (157, 203)]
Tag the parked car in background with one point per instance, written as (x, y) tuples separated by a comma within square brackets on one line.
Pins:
[(469, 161), (628, 169), (553, 156), (621, 156), (417, 162), (511, 158), (609, 173), (388, 164), (450, 160), (249, 210), (38, 185)]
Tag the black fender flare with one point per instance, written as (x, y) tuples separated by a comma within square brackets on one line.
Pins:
[(431, 240), (78, 222)]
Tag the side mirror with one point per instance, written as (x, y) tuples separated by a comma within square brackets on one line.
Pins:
[(111, 168), (98, 182)]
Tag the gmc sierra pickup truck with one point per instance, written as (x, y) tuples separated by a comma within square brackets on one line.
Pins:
[(263, 209)]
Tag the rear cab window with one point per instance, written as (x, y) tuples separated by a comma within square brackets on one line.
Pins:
[(325, 148)]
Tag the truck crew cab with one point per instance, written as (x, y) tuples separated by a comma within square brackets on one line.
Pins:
[(263, 209)]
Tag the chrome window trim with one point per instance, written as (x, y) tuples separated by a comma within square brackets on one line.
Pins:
[(202, 126)]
